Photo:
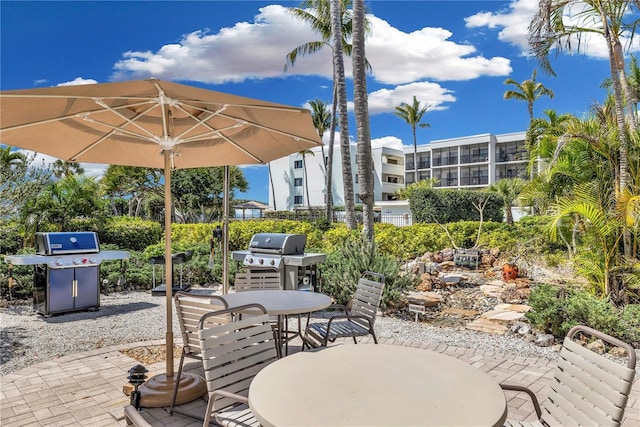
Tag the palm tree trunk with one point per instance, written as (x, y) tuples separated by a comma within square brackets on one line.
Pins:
[(273, 189), (365, 166), (332, 139), (623, 175), (415, 154), (306, 182), (345, 149)]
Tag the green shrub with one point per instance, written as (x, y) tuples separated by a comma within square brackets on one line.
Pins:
[(131, 233), (548, 309), (630, 320), (557, 309), (345, 266)]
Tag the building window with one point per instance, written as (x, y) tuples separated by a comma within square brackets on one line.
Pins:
[(297, 200), (297, 182), (297, 164)]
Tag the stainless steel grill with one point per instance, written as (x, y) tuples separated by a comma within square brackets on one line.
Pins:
[(66, 271), (285, 254)]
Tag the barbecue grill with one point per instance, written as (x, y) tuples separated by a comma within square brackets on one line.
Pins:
[(285, 254), (66, 271)]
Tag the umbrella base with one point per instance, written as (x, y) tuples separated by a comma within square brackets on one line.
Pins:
[(162, 289), (158, 390)]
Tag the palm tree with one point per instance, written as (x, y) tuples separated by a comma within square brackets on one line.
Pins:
[(63, 169), (549, 30), (543, 135), (321, 117), (9, 158), (304, 155), (412, 114), (509, 189), (528, 91), (361, 106), (323, 22)]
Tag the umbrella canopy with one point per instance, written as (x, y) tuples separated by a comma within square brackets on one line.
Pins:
[(132, 123), (156, 124)]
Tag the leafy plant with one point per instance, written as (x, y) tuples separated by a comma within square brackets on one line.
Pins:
[(345, 266)]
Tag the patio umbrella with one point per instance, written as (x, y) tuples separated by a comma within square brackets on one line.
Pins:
[(156, 124)]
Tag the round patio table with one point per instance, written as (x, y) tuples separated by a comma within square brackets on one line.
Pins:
[(281, 303), (381, 385)]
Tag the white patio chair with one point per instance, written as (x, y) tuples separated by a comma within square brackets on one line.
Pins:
[(356, 322), (587, 388), (189, 310)]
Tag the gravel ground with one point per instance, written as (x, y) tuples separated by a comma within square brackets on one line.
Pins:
[(27, 338)]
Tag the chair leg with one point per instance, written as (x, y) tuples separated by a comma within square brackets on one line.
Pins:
[(373, 334), (177, 385)]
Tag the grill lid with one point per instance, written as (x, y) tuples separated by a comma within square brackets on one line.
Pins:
[(278, 243), (59, 243)]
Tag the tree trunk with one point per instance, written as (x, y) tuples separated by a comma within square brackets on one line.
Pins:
[(306, 182), (329, 167), (345, 148), (623, 174), (415, 154), (273, 189), (361, 106)]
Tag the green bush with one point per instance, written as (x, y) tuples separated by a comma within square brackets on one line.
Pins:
[(557, 309), (345, 266), (131, 233)]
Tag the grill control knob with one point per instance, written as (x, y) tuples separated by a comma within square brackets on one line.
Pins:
[(250, 260), (59, 262), (93, 260), (272, 262), (260, 261), (77, 261)]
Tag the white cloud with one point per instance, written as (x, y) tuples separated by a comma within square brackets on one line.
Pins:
[(514, 23), (257, 50), (432, 94), (90, 169), (387, 141), (78, 81)]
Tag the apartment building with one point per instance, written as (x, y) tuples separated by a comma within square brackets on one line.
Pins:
[(469, 162), (465, 162), (293, 191)]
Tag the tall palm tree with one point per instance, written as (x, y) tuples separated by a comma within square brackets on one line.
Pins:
[(528, 91), (318, 13), (549, 30), (361, 106), (412, 114), (543, 135), (304, 155), (321, 117)]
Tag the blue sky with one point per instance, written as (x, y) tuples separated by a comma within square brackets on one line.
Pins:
[(452, 55)]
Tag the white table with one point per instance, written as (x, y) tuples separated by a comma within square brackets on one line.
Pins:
[(281, 303), (375, 385)]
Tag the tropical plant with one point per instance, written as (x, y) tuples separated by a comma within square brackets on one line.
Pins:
[(20, 180), (412, 114), (63, 168), (425, 184), (509, 189), (558, 24)]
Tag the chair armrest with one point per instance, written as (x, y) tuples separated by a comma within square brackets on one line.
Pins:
[(228, 395), (338, 307), (133, 417), (534, 399)]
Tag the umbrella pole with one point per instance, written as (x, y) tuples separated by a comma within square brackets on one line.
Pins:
[(168, 261), (225, 233), (158, 390)]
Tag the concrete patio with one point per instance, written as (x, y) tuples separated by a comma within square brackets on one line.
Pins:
[(85, 389)]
